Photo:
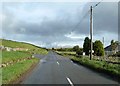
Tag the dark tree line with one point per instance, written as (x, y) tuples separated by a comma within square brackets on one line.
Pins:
[(78, 50), (64, 49), (86, 46), (97, 47)]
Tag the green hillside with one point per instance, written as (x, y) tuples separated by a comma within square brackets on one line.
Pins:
[(31, 48), (18, 62)]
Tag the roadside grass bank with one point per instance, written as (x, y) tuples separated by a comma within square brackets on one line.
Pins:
[(14, 72), (18, 62), (100, 66), (13, 56), (27, 47), (17, 58)]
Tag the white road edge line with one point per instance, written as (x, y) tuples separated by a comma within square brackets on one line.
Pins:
[(70, 81), (75, 64), (58, 63)]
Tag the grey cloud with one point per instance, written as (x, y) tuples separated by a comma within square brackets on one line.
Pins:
[(105, 17), (52, 31)]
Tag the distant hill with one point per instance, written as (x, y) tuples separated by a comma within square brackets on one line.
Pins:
[(14, 44)]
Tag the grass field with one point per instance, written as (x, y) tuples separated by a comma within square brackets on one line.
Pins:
[(15, 44), (31, 48), (13, 72), (13, 56), (66, 52)]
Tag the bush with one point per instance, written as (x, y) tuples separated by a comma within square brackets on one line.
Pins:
[(76, 48), (79, 52), (117, 54), (101, 66), (98, 48), (86, 46)]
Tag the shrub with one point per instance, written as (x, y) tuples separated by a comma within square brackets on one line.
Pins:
[(79, 52)]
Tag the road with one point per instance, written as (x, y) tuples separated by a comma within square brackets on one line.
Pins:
[(55, 69)]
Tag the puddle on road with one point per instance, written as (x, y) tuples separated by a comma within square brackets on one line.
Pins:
[(43, 61)]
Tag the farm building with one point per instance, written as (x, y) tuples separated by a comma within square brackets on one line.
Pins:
[(109, 51)]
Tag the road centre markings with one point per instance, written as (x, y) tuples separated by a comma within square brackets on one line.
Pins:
[(70, 81), (58, 63)]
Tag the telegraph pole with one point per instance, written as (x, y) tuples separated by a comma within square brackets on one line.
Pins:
[(103, 41), (91, 32), (103, 45)]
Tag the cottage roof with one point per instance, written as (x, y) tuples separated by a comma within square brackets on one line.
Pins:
[(109, 48)]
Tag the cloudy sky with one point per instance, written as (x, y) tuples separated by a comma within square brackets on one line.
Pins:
[(58, 24)]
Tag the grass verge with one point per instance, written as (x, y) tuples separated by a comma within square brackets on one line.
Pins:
[(13, 56), (100, 66), (14, 59), (13, 72)]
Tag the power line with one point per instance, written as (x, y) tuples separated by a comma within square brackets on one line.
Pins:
[(80, 21), (91, 28), (85, 16), (97, 4)]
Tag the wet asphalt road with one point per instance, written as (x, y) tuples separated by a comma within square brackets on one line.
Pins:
[(55, 69)]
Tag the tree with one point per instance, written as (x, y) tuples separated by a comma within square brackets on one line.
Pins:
[(79, 51), (52, 48), (98, 48), (114, 45), (75, 48), (86, 46)]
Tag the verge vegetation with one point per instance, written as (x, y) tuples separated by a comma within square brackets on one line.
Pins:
[(17, 62), (13, 72), (32, 49), (98, 65)]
